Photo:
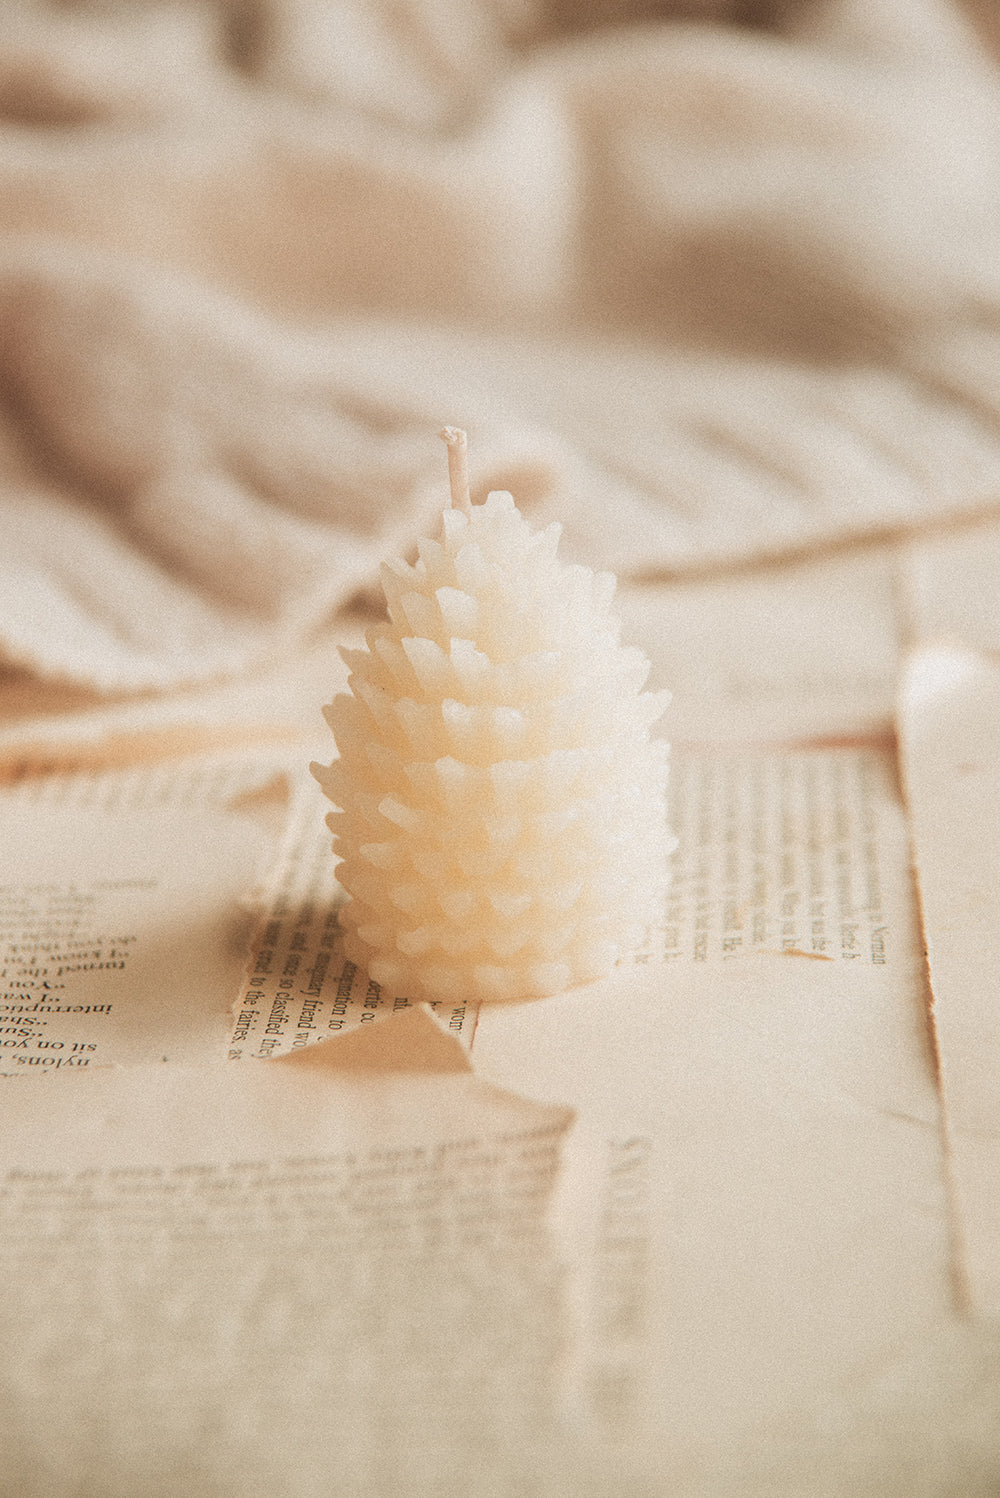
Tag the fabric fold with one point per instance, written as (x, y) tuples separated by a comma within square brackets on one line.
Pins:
[(710, 284)]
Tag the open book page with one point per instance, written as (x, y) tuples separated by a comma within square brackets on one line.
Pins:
[(281, 1282), (950, 721)]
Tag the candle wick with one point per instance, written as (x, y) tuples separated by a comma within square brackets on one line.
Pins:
[(458, 468)]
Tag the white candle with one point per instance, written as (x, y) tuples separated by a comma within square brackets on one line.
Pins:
[(502, 822)]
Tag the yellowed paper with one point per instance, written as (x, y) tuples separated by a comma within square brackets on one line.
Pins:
[(781, 854), (754, 1199), (950, 727), (746, 1284), (412, 1039), (750, 1253), (276, 1281), (123, 901)]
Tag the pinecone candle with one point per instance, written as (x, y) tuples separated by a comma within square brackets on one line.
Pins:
[(502, 822)]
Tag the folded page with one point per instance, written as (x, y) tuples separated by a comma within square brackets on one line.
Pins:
[(950, 722)]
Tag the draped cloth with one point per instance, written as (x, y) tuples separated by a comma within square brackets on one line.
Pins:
[(711, 283)]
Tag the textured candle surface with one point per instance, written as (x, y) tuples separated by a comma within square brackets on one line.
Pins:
[(502, 821)]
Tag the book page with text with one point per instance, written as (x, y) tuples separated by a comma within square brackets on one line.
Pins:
[(282, 1282), (124, 912)]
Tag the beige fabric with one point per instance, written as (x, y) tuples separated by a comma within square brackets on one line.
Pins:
[(712, 282)]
